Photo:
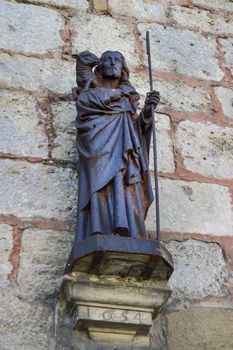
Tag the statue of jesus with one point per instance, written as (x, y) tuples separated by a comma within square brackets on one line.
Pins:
[(113, 141)]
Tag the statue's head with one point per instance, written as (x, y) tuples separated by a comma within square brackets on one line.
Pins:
[(112, 65)]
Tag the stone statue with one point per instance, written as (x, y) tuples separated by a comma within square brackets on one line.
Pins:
[(113, 142)]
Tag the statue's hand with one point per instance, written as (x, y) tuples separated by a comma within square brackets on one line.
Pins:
[(152, 98)]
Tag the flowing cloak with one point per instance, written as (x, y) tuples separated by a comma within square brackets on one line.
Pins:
[(114, 182)]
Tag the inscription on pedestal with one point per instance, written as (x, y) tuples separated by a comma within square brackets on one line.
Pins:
[(86, 316)]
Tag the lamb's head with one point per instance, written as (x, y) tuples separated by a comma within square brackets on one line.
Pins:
[(87, 58)]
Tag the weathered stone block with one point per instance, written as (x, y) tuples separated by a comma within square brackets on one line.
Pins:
[(64, 147), (28, 190), (21, 28), (203, 20), (42, 261), (192, 329), (199, 270), (21, 123), (23, 325), (175, 96), (146, 9), (165, 146), (35, 74), (225, 96), (107, 30), (227, 45), (6, 243), (206, 148), (182, 51), (193, 207), (216, 4), (158, 336), (181, 97), (64, 114)]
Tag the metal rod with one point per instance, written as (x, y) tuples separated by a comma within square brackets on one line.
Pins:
[(157, 211)]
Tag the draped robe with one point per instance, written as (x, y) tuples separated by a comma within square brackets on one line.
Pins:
[(114, 182)]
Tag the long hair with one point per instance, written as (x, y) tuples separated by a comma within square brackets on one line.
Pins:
[(124, 71)]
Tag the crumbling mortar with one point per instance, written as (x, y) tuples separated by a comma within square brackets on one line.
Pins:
[(29, 159), (67, 34), (139, 46), (36, 222), (196, 29), (218, 114), (191, 176), (190, 80), (60, 8), (198, 117), (171, 22), (210, 9), (176, 305), (205, 238), (12, 53), (48, 124), (228, 76), (184, 3), (14, 256), (178, 159), (59, 163), (55, 97)]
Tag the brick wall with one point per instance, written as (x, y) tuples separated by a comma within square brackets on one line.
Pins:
[(192, 52)]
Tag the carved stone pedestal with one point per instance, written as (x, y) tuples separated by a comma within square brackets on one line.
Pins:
[(113, 289)]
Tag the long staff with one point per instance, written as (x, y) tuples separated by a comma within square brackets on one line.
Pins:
[(157, 212)]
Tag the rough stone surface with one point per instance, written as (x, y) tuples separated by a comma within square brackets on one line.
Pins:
[(193, 207), (37, 190), (175, 96), (44, 256), (109, 34), (203, 20), (35, 74), (165, 146), (79, 5), (5, 248), (227, 45), (158, 334), (182, 51), (146, 10), (202, 329), (23, 325), (64, 114), (199, 270), (216, 4), (21, 124), (20, 28), (225, 97), (206, 148)]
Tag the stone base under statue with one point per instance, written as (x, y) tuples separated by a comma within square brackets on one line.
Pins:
[(114, 287)]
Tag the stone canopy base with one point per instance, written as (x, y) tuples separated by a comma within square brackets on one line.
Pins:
[(114, 287)]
